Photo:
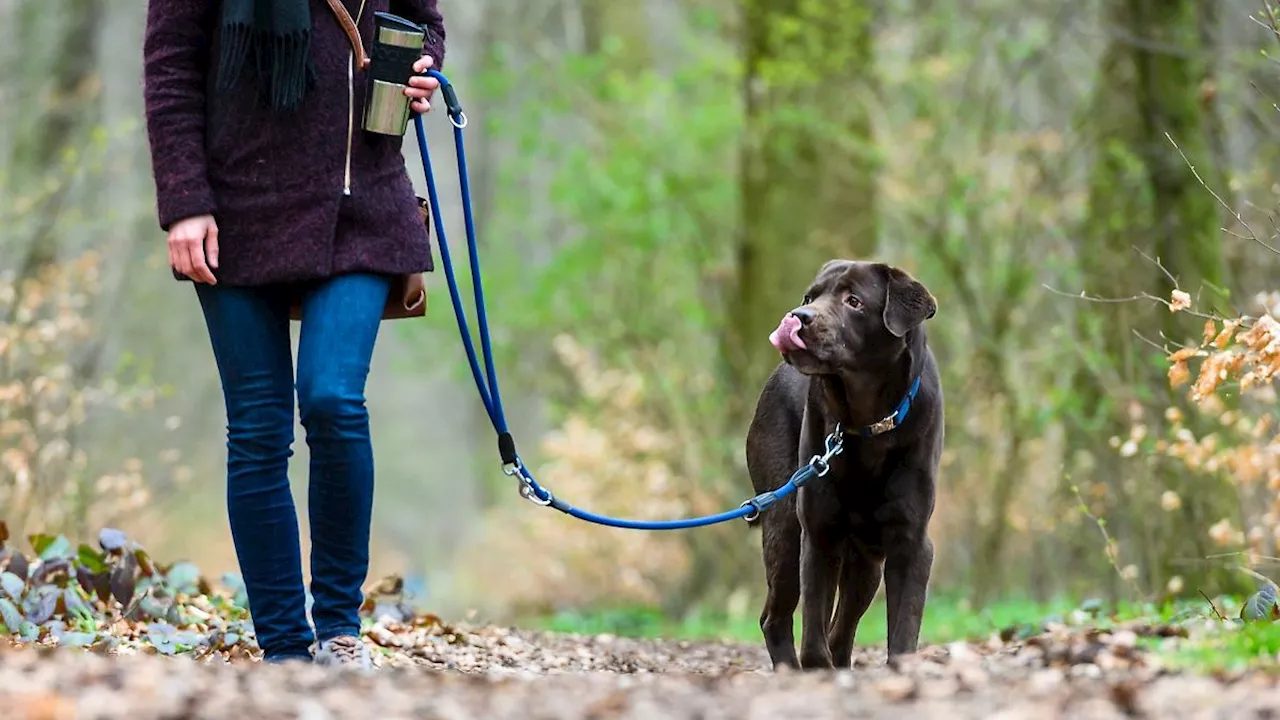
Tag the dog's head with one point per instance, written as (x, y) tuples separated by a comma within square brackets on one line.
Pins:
[(855, 317)]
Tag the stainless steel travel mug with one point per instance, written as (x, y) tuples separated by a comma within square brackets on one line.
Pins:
[(397, 45)]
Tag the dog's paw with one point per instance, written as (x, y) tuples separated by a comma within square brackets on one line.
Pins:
[(816, 661)]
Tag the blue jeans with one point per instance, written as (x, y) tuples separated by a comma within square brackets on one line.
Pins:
[(249, 331)]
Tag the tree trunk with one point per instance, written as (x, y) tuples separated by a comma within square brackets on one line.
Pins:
[(808, 171), (1144, 196), (59, 81)]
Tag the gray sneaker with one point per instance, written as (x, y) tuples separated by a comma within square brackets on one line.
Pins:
[(344, 650)]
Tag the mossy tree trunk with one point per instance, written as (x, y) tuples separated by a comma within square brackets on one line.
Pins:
[(1144, 196), (807, 167)]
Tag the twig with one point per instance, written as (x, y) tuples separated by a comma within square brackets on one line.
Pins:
[(1216, 196), (1132, 298), (1164, 349), (1112, 547), (1158, 264), (1213, 607), (1256, 575)]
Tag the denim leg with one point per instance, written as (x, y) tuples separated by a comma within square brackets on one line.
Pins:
[(249, 332), (340, 321)]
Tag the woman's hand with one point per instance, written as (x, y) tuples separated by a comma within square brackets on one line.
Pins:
[(421, 86), (192, 241)]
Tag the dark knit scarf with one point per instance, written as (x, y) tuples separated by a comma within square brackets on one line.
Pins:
[(269, 40)]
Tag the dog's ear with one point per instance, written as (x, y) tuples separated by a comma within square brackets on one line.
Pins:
[(907, 302)]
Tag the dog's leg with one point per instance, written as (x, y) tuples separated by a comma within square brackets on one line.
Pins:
[(859, 580), (906, 584), (819, 571), (781, 540)]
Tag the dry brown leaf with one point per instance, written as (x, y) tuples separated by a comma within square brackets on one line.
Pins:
[(1179, 300)]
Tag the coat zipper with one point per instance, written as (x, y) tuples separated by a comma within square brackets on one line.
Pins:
[(351, 106)]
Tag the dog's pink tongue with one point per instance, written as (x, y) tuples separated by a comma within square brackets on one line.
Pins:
[(787, 337)]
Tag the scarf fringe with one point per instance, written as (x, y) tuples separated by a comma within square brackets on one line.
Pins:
[(289, 62), (236, 41), (279, 64)]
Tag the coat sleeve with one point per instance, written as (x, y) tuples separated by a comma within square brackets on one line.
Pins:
[(427, 14), (175, 53)]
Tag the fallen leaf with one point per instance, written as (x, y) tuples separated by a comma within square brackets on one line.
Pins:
[(1179, 300)]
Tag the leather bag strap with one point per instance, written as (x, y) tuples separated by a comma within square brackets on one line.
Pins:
[(353, 32)]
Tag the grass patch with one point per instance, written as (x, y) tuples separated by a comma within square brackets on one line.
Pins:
[(946, 618), (1226, 647)]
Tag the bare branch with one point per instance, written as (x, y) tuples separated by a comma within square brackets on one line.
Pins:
[(1212, 606), (1158, 264), (1151, 342), (1216, 196)]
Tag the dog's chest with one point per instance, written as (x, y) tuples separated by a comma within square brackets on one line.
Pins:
[(862, 479)]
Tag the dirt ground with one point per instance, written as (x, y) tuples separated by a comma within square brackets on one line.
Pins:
[(495, 674)]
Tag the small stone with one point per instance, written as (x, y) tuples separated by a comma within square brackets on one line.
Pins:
[(1124, 639), (972, 677), (1045, 681), (1086, 670), (961, 652), (897, 688)]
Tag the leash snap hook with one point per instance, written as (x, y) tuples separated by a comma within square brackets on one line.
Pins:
[(820, 465), (516, 470)]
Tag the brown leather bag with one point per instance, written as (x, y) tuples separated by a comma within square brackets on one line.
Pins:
[(407, 297)]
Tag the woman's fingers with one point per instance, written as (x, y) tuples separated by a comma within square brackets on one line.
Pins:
[(211, 245), (187, 241), (199, 270)]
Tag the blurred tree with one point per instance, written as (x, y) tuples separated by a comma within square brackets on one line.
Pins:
[(56, 75), (807, 168), (1154, 77)]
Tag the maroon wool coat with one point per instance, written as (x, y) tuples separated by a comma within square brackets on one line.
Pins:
[(297, 196)]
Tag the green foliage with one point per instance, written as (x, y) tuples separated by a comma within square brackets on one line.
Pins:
[(94, 596), (645, 187)]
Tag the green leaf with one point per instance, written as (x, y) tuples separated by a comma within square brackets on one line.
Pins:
[(1261, 606), (162, 637), (42, 604), (19, 566), (76, 639), (140, 558), (75, 604), (12, 585), (59, 548), (91, 559), (41, 542), (183, 577), (29, 632), (10, 615)]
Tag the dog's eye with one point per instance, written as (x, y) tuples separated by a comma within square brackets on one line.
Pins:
[(852, 301), (807, 300)]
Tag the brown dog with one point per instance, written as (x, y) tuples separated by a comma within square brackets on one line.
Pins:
[(855, 352)]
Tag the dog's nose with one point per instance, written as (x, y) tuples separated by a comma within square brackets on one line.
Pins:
[(803, 314)]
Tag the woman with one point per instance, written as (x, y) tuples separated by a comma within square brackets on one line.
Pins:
[(271, 194)]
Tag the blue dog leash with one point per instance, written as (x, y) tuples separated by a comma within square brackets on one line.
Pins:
[(487, 381)]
